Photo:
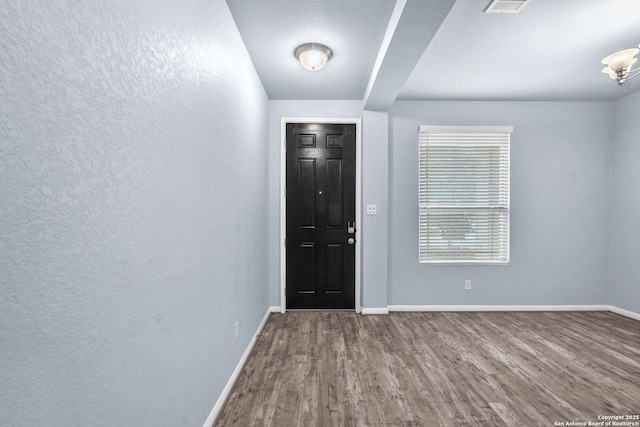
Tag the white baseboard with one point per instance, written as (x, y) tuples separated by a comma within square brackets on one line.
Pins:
[(384, 310), (611, 308), (498, 308), (275, 309), (211, 419), (624, 312)]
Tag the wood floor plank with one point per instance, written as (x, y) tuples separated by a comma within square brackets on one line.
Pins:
[(438, 369)]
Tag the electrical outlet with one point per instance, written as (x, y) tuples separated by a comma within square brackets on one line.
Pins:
[(467, 285), (372, 209), (237, 331)]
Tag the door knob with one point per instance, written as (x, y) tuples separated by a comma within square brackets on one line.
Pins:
[(351, 241)]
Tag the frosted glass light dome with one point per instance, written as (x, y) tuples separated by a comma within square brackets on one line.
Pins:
[(313, 56)]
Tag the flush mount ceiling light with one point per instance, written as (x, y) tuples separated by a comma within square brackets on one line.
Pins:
[(619, 65), (313, 56)]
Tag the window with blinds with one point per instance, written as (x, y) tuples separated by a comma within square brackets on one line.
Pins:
[(464, 194)]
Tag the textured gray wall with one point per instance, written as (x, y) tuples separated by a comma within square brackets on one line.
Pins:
[(560, 173), (624, 288), (133, 146)]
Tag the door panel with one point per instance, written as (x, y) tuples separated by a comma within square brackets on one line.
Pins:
[(306, 267), (334, 267), (307, 192), (334, 193), (320, 204)]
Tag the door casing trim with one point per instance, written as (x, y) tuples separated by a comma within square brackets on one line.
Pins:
[(283, 201)]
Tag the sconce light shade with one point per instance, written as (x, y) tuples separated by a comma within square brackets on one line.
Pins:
[(313, 56), (619, 65)]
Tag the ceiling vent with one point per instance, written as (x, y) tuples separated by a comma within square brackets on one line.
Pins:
[(506, 6)]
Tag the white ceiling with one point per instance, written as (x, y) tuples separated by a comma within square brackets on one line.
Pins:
[(353, 29), (439, 49)]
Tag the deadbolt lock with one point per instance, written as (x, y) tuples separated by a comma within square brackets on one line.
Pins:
[(351, 227)]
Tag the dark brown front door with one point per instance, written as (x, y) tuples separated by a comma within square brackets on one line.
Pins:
[(321, 214)]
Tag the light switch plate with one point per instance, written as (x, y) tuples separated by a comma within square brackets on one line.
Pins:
[(372, 209)]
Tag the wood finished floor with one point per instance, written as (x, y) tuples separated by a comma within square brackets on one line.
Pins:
[(438, 369)]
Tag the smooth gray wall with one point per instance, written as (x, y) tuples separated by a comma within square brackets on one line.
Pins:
[(560, 173), (624, 287), (133, 138), (375, 239)]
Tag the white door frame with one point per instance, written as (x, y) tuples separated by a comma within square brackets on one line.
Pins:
[(283, 201)]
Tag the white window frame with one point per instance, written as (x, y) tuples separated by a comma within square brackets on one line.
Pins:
[(439, 205)]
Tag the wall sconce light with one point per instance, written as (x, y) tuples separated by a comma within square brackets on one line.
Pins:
[(619, 65), (313, 56)]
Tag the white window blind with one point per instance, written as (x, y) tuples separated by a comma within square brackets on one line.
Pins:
[(464, 194)]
